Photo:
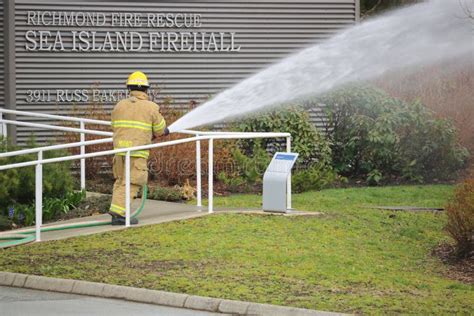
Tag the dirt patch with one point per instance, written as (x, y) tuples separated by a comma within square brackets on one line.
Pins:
[(101, 185), (458, 269), (408, 208), (90, 206), (158, 266)]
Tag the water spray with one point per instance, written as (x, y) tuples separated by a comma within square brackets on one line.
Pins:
[(414, 36)]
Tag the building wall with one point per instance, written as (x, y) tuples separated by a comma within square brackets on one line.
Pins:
[(265, 31)]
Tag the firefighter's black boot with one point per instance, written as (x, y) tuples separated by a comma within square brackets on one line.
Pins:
[(120, 220)]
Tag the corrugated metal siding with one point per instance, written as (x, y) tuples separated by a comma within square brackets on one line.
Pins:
[(266, 30), (2, 58)]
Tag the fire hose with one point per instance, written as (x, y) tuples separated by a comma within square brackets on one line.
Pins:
[(27, 236)]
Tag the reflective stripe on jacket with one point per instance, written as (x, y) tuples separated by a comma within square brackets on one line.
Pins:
[(135, 121)]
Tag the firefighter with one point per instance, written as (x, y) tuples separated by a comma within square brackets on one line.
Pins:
[(136, 121)]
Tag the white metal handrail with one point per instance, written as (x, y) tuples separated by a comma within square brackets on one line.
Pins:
[(58, 128), (82, 130), (136, 148), (54, 147), (199, 136), (55, 117)]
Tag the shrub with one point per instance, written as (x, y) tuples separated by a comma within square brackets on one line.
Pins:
[(174, 165), (5, 223), (234, 182), (251, 167), (313, 168), (460, 213), (375, 136), (306, 139), (244, 172), (428, 147), (17, 187), (316, 177), (166, 194), (95, 167), (53, 208), (446, 88)]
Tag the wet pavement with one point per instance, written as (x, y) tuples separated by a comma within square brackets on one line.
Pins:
[(21, 302)]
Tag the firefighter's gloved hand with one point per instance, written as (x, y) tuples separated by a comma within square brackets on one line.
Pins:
[(166, 132)]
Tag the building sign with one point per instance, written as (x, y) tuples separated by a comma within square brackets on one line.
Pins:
[(154, 39), (69, 56)]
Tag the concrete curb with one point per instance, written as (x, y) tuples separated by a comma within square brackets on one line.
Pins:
[(151, 296)]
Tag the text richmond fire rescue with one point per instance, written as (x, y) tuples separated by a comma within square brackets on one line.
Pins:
[(145, 38)]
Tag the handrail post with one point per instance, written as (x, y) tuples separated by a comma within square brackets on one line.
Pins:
[(39, 196), (288, 182), (3, 129), (83, 152), (127, 189), (198, 174), (211, 176)]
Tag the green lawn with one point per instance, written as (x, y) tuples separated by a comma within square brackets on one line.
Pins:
[(351, 259)]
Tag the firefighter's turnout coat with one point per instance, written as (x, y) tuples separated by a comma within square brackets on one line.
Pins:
[(135, 122)]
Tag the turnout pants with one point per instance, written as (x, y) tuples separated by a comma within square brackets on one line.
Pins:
[(138, 178)]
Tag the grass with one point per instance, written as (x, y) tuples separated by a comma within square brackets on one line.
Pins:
[(352, 259)]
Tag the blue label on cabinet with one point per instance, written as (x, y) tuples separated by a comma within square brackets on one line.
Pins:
[(285, 157)]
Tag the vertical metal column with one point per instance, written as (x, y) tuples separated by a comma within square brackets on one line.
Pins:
[(39, 196), (127, 189), (211, 176), (3, 129), (83, 161), (198, 173), (357, 11), (10, 63), (288, 182)]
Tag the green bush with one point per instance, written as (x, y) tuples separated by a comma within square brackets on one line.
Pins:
[(428, 147), (247, 170), (17, 186), (377, 137), (313, 167), (5, 223), (460, 226), (315, 177), (233, 182), (24, 214), (52, 207), (307, 141), (251, 166), (166, 194)]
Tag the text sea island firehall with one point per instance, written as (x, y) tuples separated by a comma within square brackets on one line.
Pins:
[(141, 33)]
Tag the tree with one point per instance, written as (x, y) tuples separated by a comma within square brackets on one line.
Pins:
[(373, 7), (468, 8)]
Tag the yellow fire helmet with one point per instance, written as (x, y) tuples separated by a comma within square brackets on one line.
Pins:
[(137, 78)]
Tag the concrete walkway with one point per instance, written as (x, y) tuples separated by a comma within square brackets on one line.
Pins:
[(140, 295), (21, 301), (154, 212)]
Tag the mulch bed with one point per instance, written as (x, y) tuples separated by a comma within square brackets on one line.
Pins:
[(90, 206), (458, 269)]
